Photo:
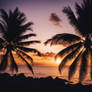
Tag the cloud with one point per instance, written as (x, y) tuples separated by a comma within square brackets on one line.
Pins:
[(55, 19)]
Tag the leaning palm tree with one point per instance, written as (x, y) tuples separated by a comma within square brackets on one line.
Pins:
[(13, 41), (79, 51)]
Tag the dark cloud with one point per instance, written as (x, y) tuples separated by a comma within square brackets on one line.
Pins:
[(55, 19)]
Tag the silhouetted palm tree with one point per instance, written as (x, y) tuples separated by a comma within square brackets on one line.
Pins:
[(12, 29), (80, 50)]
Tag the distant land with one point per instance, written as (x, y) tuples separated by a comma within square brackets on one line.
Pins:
[(46, 59)]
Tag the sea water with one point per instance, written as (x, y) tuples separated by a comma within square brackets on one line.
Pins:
[(45, 71)]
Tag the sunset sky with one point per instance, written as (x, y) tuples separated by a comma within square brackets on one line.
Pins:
[(48, 20), (39, 12)]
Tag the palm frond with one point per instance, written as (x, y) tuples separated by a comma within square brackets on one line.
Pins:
[(73, 66), (16, 22), (71, 16), (22, 18), (4, 15), (86, 4), (28, 65), (27, 56), (13, 25), (70, 56), (19, 16), (24, 37), (27, 43), (78, 9), (10, 13), (29, 50), (67, 50), (84, 65), (1, 43), (48, 42), (1, 40), (2, 29), (4, 61), (82, 20), (26, 27), (63, 39), (19, 30), (90, 63), (84, 13), (13, 65)]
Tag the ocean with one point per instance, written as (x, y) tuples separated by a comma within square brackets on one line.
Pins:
[(45, 71)]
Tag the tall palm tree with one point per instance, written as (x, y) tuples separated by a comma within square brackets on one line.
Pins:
[(13, 25), (79, 51)]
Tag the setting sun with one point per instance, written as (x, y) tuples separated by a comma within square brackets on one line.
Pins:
[(58, 61)]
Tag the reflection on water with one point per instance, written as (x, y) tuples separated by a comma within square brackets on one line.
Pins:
[(45, 71)]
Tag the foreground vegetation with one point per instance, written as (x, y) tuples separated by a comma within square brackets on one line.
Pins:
[(20, 83)]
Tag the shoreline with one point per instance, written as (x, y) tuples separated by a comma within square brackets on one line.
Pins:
[(22, 83)]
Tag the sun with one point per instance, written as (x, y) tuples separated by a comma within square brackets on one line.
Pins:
[(58, 61)]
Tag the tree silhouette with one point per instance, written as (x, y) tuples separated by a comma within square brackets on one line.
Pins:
[(13, 25), (80, 50)]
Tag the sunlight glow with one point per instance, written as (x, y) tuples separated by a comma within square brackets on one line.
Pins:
[(58, 61)]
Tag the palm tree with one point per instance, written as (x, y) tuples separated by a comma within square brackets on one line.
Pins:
[(13, 41), (79, 51)]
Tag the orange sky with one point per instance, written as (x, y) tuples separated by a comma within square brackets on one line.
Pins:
[(47, 60)]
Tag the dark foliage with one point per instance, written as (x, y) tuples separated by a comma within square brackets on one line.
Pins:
[(26, 84), (82, 21), (12, 27)]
